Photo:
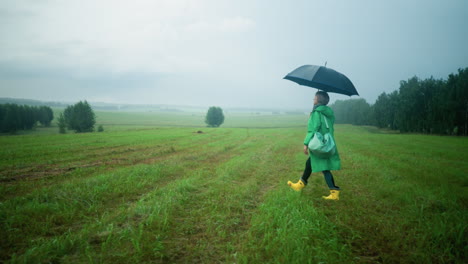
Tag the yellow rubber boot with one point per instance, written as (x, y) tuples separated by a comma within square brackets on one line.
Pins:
[(334, 195), (296, 186)]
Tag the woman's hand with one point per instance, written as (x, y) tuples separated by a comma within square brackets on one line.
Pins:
[(306, 150)]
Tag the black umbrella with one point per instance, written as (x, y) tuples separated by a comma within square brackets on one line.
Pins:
[(322, 78)]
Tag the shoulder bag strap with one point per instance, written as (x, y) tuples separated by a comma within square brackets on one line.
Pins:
[(326, 123)]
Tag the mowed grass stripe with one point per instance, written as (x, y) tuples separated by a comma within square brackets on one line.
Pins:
[(211, 226), (159, 145), (131, 232), (77, 201), (87, 148), (287, 227)]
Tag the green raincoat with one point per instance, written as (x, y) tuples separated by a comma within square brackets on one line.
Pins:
[(316, 123)]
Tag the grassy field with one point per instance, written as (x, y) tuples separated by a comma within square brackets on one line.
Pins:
[(148, 190)]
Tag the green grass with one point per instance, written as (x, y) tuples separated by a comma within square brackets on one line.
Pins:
[(132, 120), (125, 120), (148, 193)]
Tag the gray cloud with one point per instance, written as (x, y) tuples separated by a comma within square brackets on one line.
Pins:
[(231, 53)]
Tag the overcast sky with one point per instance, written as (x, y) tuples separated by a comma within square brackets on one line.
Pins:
[(218, 52)]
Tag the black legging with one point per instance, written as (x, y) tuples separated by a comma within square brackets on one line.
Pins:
[(327, 174)]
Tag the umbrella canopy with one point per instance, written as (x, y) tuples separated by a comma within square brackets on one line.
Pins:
[(322, 78)]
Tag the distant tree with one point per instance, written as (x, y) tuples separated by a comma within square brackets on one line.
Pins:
[(12, 121), (411, 109), (68, 116), (100, 128), (80, 117), (15, 117), (384, 110), (214, 117), (28, 116), (457, 95), (352, 111), (2, 117), (45, 115), (62, 124)]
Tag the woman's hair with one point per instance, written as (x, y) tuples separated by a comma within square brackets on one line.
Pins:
[(322, 97)]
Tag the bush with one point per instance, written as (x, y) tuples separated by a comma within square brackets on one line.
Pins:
[(100, 128)]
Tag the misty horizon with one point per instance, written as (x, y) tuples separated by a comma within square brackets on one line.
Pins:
[(145, 107)]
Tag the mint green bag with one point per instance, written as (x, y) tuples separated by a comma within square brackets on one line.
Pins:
[(322, 146)]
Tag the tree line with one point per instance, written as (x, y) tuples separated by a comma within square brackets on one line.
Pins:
[(423, 106), (15, 117), (79, 117)]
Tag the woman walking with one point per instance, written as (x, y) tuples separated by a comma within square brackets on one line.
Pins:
[(315, 163)]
